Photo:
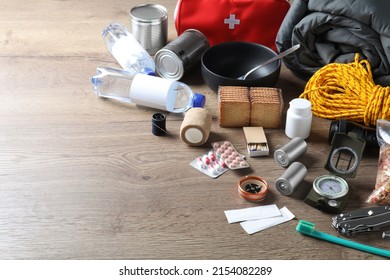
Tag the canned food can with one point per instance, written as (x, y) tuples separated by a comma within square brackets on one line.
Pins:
[(181, 54), (149, 24)]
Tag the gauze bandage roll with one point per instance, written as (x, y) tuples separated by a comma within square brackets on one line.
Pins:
[(195, 128)]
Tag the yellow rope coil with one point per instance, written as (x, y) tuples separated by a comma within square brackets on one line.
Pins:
[(347, 91)]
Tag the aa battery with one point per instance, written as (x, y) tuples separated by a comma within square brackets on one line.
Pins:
[(291, 178), (290, 151)]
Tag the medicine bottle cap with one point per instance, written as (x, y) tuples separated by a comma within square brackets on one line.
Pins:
[(301, 106)]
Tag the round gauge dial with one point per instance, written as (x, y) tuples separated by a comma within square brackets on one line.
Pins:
[(330, 186)]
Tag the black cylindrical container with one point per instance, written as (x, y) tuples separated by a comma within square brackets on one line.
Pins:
[(158, 124), (181, 54)]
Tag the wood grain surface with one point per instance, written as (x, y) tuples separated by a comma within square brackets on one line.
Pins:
[(84, 178)]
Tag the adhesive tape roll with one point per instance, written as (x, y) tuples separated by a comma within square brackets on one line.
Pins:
[(195, 128)]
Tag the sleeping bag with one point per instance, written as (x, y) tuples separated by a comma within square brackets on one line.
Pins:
[(334, 31)]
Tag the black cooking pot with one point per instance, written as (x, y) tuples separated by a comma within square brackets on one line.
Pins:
[(223, 63)]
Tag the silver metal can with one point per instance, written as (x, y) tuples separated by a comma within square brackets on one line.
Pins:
[(149, 24), (181, 54)]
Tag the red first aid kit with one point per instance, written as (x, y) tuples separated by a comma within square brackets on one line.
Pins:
[(220, 21)]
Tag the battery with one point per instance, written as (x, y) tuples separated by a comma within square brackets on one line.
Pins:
[(287, 154), (291, 178), (181, 54), (149, 24)]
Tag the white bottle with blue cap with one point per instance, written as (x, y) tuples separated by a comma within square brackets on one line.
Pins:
[(125, 48), (146, 90)]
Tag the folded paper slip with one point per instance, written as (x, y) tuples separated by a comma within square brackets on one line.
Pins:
[(258, 225), (252, 213)]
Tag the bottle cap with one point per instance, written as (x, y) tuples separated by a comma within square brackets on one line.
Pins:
[(301, 106), (199, 100), (148, 71)]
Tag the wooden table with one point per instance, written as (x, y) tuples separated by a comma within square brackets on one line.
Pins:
[(84, 178)]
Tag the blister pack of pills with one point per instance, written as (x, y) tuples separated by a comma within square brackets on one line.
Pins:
[(210, 164), (226, 151)]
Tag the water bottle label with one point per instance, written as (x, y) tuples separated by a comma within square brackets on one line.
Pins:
[(150, 91)]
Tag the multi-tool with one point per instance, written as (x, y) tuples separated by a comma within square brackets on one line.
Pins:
[(362, 220)]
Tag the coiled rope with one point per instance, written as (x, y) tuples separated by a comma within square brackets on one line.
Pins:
[(347, 91)]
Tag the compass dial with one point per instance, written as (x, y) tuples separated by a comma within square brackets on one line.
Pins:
[(330, 186)]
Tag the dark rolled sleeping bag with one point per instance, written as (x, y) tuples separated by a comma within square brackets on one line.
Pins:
[(334, 31)]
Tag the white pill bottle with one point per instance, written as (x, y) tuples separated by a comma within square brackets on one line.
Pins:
[(299, 117)]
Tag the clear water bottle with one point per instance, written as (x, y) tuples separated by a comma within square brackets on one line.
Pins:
[(145, 90), (125, 48)]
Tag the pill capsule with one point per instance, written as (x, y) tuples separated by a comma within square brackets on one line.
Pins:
[(222, 163), (200, 163)]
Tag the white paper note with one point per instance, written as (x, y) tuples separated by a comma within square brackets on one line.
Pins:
[(252, 213), (258, 225)]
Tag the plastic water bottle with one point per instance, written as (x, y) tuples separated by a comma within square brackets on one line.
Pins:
[(125, 48), (145, 90)]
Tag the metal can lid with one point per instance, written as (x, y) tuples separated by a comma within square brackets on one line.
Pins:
[(169, 65), (149, 13)]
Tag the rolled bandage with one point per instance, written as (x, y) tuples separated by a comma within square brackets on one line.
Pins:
[(195, 128)]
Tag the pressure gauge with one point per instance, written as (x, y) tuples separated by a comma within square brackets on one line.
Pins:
[(329, 193)]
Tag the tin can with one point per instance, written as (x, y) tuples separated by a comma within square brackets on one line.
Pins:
[(149, 24), (181, 54)]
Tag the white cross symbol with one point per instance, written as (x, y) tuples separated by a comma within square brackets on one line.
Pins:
[(232, 21)]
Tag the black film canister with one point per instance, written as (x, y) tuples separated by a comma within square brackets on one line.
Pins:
[(158, 124)]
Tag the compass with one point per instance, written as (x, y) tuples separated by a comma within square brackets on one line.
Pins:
[(329, 193)]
